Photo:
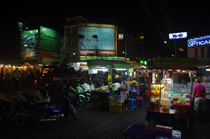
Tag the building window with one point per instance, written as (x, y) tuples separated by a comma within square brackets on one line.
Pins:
[(196, 53), (74, 32), (202, 52), (90, 54), (208, 52), (109, 54)]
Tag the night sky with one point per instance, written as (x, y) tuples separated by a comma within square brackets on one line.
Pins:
[(157, 18)]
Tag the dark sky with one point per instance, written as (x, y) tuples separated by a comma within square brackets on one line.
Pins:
[(156, 18)]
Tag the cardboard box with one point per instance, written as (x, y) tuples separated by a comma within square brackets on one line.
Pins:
[(162, 128)]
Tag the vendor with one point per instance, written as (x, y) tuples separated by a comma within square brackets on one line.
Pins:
[(199, 92), (125, 85)]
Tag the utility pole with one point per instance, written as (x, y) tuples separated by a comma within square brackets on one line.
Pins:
[(38, 46), (175, 50)]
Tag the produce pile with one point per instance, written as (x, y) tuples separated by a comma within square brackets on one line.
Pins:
[(102, 88), (132, 82), (155, 90), (180, 102)]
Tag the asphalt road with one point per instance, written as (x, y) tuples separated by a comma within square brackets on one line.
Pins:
[(91, 124)]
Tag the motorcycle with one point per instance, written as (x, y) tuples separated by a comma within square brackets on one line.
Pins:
[(48, 112), (16, 115), (87, 90), (76, 95)]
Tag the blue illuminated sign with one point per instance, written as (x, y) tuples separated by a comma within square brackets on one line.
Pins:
[(96, 38), (179, 35), (199, 41)]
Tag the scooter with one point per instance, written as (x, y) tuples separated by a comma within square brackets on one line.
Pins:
[(48, 113), (87, 90), (76, 95)]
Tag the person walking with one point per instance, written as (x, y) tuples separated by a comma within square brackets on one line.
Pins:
[(125, 85), (198, 95)]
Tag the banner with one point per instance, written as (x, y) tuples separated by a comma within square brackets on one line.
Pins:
[(96, 38)]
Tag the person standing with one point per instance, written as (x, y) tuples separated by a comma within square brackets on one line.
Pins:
[(199, 92), (125, 85)]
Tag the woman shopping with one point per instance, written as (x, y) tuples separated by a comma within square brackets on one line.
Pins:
[(125, 85)]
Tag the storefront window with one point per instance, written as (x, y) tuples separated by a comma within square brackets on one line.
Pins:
[(208, 52), (202, 52), (196, 53)]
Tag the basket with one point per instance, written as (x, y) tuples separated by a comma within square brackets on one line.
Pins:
[(115, 107), (182, 109), (119, 98)]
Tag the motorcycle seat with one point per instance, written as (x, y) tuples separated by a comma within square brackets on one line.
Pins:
[(28, 97)]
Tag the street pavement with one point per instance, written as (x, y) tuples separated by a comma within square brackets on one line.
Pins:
[(91, 124)]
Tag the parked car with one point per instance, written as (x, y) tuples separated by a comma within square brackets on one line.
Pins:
[(59, 76)]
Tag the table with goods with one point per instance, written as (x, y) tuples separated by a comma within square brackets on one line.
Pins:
[(164, 99)]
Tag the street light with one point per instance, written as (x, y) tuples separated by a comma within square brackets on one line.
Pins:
[(172, 55), (123, 52), (165, 41)]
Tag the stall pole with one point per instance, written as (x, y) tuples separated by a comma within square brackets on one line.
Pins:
[(191, 86), (90, 81), (111, 81)]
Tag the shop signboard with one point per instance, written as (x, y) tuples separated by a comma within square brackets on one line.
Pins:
[(29, 40), (180, 35), (120, 36), (20, 26), (198, 41), (174, 62), (96, 38), (49, 39)]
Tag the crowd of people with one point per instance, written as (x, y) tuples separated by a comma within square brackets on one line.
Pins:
[(20, 78)]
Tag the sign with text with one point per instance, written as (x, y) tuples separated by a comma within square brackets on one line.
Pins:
[(49, 39), (179, 35), (96, 38), (198, 41)]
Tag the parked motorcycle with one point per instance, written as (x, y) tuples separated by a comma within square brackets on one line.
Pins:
[(48, 112), (16, 115), (87, 90), (76, 95)]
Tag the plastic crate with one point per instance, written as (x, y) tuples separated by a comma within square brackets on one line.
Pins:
[(182, 109), (119, 98), (115, 107)]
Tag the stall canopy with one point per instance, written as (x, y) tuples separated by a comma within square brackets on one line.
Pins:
[(175, 63), (113, 64), (136, 65)]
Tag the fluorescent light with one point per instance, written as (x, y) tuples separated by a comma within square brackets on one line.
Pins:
[(121, 69)]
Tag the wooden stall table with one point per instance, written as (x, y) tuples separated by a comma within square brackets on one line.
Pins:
[(138, 131), (160, 115)]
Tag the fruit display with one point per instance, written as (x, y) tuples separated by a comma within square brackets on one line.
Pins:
[(102, 88), (179, 101), (132, 82), (155, 90)]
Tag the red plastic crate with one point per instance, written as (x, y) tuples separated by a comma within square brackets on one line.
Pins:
[(182, 109)]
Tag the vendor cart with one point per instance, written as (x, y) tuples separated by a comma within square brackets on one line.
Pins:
[(101, 96)]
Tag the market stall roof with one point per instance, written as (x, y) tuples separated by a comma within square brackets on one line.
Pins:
[(136, 65), (175, 63), (114, 64)]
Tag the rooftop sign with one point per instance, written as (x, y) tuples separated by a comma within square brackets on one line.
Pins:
[(198, 41), (179, 35)]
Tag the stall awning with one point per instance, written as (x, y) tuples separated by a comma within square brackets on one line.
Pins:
[(114, 64), (135, 65)]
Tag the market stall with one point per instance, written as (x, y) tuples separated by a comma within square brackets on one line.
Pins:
[(104, 96)]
